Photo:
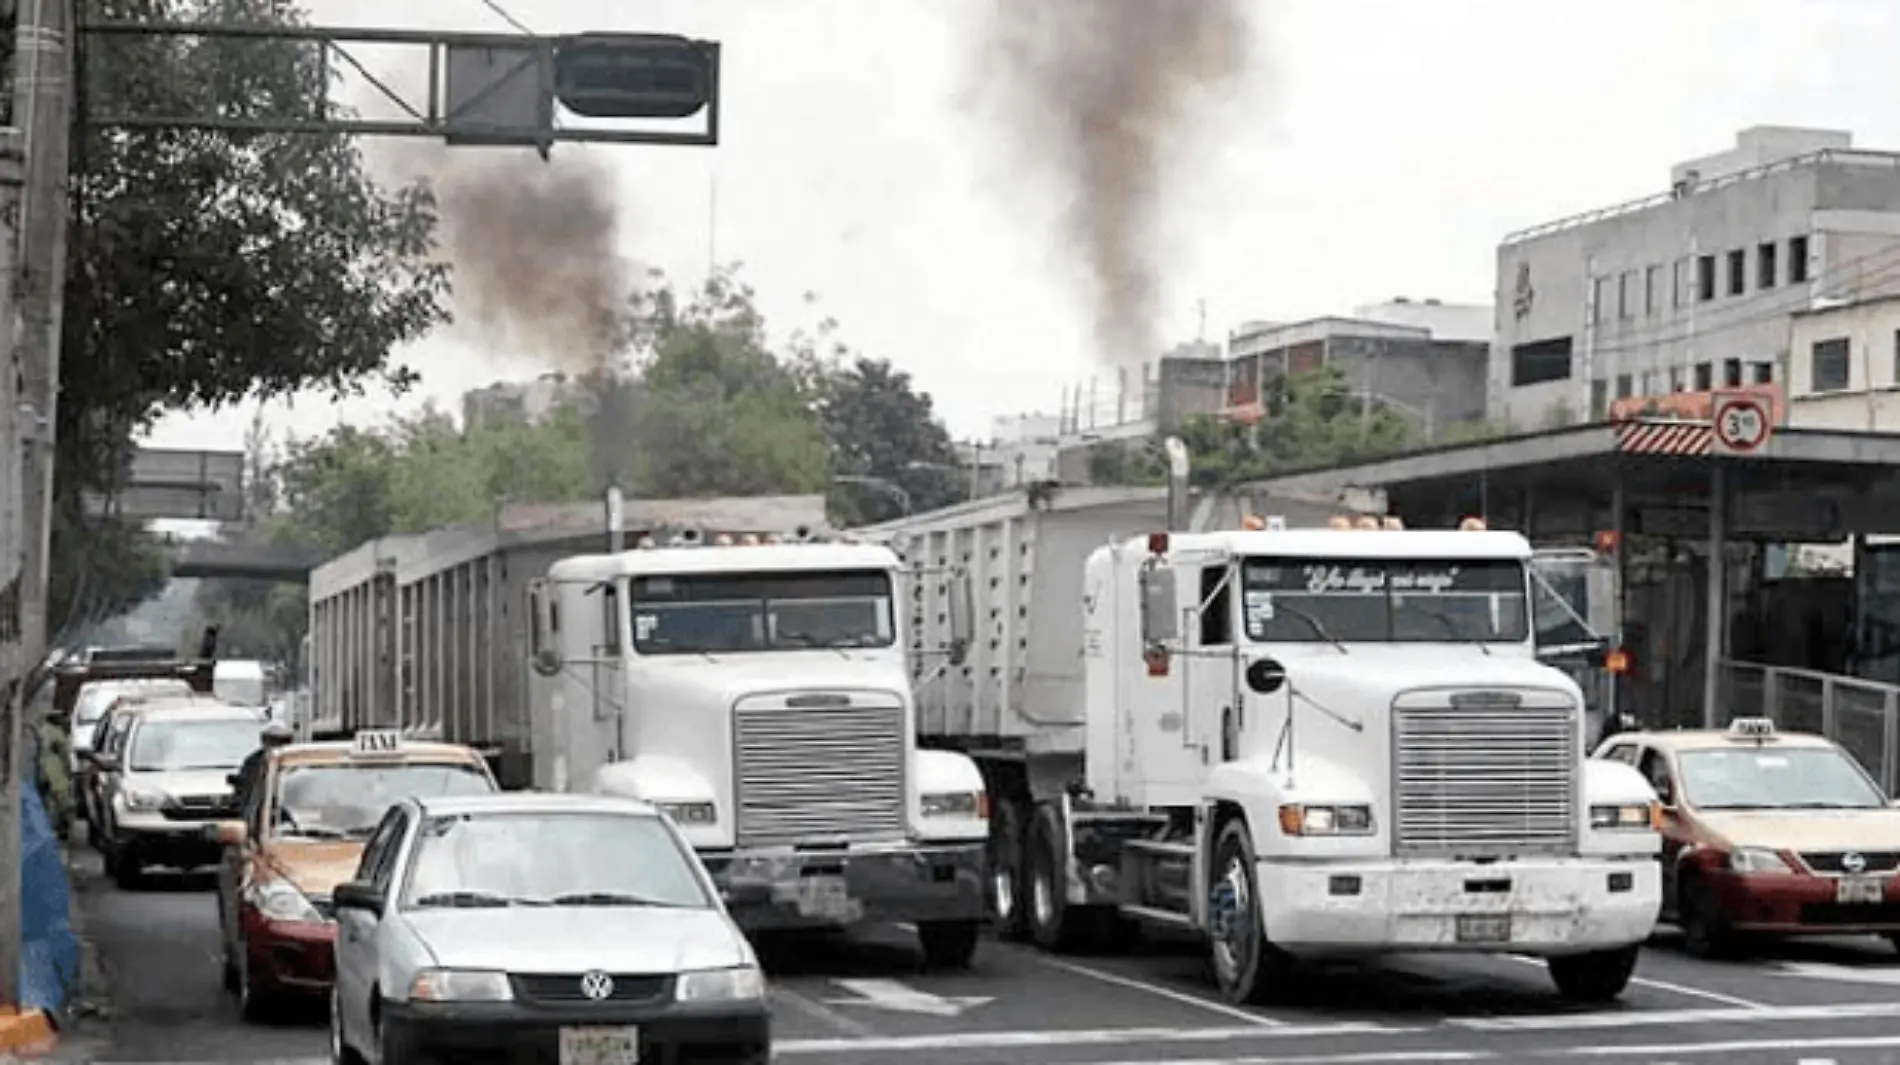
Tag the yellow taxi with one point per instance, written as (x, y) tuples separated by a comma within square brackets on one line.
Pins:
[(1768, 833), (305, 825)]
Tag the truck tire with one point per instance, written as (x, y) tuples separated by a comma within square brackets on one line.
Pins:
[(1597, 977), (1248, 968), (1055, 925), (948, 944), (1007, 884)]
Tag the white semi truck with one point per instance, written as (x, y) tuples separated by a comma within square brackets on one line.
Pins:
[(1292, 739), (727, 666)]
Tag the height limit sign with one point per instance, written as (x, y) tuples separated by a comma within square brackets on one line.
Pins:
[(1742, 423)]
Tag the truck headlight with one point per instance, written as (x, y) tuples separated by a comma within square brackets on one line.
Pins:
[(739, 983), (1301, 820), (1643, 817), (143, 799), (690, 813), (1747, 860), (960, 804), (460, 985), (279, 900)]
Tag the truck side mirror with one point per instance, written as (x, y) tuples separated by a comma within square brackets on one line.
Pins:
[(1160, 613), (1265, 676), (544, 628)]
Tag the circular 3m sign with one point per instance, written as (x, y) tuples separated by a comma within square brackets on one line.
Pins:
[(1742, 423)]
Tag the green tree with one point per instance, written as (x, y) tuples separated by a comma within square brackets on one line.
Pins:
[(205, 267), (882, 430)]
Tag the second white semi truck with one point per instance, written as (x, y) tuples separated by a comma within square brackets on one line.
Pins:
[(1291, 738)]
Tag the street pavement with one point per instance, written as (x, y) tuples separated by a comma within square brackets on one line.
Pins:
[(865, 1000)]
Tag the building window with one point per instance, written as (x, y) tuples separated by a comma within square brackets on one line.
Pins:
[(1675, 379), (1649, 383), (1599, 399), (1626, 295), (1624, 386), (1797, 260), (1652, 291), (1681, 280), (1601, 296), (1765, 265), (1738, 271), (1704, 377), (1540, 361), (1705, 278), (1828, 371), (1731, 373), (1764, 372)]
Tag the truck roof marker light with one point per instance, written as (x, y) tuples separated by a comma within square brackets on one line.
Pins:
[(1253, 523), (645, 544), (1158, 543), (1472, 524), (1390, 522), (1339, 521), (1367, 522), (749, 540), (1617, 661), (723, 540)]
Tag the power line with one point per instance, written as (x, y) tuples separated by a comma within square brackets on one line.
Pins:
[(502, 13)]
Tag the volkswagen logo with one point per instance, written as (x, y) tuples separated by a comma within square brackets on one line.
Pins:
[(597, 985), (1853, 861)]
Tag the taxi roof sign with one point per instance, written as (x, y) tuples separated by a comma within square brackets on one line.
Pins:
[(1754, 728), (371, 742)]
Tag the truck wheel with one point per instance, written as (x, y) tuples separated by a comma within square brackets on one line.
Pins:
[(1894, 939), (1055, 924), (1247, 967), (1006, 880), (1705, 932), (948, 944), (1596, 977)]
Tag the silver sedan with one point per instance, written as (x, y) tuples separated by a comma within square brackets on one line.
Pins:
[(572, 928)]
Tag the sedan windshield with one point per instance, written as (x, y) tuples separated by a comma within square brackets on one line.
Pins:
[(221, 743), (552, 859), (342, 801), (1766, 778)]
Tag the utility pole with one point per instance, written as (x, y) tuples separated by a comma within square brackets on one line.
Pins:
[(42, 77)]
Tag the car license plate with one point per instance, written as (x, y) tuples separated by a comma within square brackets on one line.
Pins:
[(825, 898), (1484, 928), (600, 1045), (1860, 889)]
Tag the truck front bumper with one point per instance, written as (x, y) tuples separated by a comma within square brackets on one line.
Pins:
[(1544, 906), (792, 889)]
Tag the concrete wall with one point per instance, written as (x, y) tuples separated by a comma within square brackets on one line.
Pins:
[(1869, 400)]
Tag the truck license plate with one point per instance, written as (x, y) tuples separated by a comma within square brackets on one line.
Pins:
[(824, 898), (1484, 928), (600, 1045), (1860, 889)]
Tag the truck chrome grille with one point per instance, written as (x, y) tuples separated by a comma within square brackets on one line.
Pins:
[(1485, 773), (820, 773)]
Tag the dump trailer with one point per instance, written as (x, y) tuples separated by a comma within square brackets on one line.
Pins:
[(729, 662), (1284, 725)]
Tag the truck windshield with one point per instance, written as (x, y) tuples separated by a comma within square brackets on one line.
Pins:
[(1303, 600), (727, 612)]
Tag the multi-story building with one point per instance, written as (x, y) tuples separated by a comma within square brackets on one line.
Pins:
[(1697, 287), (1424, 357)]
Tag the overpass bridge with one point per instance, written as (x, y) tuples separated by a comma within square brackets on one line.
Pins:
[(268, 562)]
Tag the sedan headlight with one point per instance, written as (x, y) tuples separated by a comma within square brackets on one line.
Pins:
[(1301, 820), (690, 813), (1747, 860), (279, 900), (960, 804), (143, 799), (743, 982), (460, 985), (1633, 817)]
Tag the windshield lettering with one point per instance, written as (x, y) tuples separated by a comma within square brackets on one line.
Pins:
[(1295, 600), (728, 612)]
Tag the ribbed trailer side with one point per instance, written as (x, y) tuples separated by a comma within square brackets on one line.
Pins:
[(352, 643)]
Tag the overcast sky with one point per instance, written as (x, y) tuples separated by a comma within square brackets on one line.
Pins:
[(1373, 148)]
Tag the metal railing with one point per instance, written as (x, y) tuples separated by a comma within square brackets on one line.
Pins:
[(1862, 716)]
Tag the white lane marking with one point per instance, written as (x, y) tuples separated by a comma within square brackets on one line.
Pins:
[(1077, 1038), (822, 1013), (1627, 1018), (1663, 985), (1852, 974), (1361, 1058), (1816, 1061), (1734, 1046), (1158, 991), (897, 995)]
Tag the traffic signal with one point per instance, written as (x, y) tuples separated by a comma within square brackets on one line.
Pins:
[(635, 75)]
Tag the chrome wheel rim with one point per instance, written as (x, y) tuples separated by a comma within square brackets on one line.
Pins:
[(1043, 898), (336, 1026), (1230, 921), (1003, 886)]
